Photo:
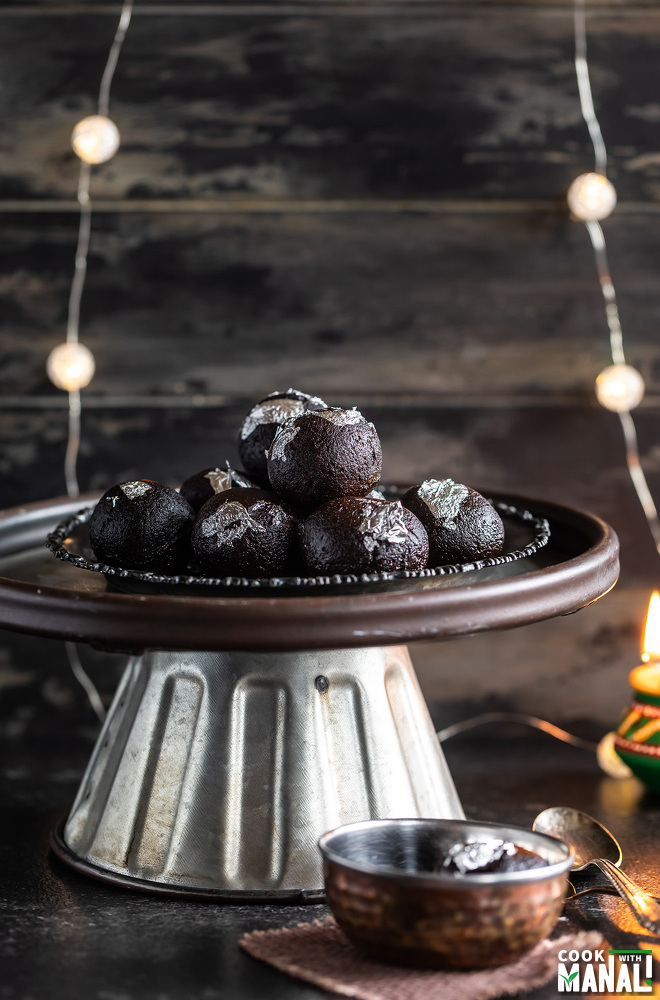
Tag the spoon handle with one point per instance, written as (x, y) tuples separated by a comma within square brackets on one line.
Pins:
[(642, 904)]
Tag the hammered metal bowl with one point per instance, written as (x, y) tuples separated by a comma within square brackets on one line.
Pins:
[(383, 890)]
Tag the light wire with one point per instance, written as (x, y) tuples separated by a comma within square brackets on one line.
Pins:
[(113, 56), (73, 321), (638, 477), (85, 682), (82, 252), (72, 444), (597, 238), (584, 86), (519, 718)]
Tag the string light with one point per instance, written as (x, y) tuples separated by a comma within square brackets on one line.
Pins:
[(70, 366), (95, 139), (591, 197), (620, 388), (608, 759)]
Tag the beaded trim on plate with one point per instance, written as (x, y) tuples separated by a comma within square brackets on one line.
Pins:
[(56, 542)]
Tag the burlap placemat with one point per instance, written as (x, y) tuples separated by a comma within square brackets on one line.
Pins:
[(321, 954)]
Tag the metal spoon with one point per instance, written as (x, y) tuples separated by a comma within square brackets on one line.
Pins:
[(595, 845)]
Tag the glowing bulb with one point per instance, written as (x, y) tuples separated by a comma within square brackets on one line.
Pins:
[(70, 366), (95, 139), (651, 640), (619, 388), (591, 197)]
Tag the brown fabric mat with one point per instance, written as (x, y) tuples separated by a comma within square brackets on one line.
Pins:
[(321, 954)]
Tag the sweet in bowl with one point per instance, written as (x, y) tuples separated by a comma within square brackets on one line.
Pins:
[(437, 893)]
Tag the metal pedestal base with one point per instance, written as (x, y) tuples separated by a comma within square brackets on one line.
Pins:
[(215, 773)]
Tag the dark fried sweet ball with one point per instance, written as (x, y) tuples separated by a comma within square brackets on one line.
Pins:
[(323, 455), (484, 857), (262, 424), (142, 525), (461, 524), (203, 485), (245, 532), (360, 535)]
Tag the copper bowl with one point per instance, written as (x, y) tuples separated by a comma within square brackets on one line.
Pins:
[(385, 894)]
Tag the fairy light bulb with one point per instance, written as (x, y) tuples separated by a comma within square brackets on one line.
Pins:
[(620, 388), (70, 366), (591, 197), (95, 139)]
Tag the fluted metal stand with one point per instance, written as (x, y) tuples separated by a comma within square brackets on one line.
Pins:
[(215, 773)]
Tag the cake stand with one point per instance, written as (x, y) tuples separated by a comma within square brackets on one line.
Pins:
[(248, 724)]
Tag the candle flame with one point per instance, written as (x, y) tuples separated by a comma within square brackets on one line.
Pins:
[(651, 642)]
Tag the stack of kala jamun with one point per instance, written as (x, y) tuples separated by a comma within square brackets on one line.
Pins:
[(306, 504)]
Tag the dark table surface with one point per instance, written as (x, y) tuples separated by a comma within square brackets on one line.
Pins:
[(63, 935)]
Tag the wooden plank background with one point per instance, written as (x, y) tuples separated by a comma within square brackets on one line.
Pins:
[(472, 102), (365, 200)]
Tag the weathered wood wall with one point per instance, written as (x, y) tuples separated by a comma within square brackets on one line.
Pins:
[(364, 200)]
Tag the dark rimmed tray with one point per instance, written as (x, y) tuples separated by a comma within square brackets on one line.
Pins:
[(525, 536), (42, 595)]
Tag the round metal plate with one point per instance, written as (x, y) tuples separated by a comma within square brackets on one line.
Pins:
[(42, 595)]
